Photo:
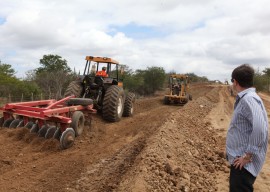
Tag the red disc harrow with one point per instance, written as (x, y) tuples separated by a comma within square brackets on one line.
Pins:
[(62, 120)]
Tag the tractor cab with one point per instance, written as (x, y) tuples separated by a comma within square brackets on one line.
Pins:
[(100, 71)]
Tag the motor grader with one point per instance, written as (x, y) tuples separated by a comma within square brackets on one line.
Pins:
[(106, 92), (177, 91)]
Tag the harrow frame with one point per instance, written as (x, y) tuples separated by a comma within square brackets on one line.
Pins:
[(43, 111)]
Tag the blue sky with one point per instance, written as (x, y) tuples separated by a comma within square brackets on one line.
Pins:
[(2, 20), (134, 31), (209, 38)]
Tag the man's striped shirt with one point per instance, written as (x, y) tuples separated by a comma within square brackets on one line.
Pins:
[(248, 131)]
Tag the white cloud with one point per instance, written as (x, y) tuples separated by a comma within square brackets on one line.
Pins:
[(208, 37)]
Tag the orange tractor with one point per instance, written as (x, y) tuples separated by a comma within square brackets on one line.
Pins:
[(104, 87)]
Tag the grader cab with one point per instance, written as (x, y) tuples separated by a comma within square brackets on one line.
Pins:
[(178, 90)]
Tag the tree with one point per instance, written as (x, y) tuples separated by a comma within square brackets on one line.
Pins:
[(52, 63), (154, 78), (195, 78), (266, 72), (54, 83), (10, 85), (5, 69), (259, 81), (133, 82), (53, 76), (30, 75)]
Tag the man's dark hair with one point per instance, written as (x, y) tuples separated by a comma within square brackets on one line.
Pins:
[(244, 75)]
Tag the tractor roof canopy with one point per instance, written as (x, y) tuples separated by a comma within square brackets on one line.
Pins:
[(101, 59)]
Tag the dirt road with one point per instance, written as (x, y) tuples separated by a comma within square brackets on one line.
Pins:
[(161, 148)]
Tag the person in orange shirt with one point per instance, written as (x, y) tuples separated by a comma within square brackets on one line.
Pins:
[(102, 73)]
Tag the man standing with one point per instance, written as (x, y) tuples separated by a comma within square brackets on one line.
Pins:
[(247, 137)]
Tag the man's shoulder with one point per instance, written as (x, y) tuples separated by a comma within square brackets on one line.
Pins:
[(252, 98)]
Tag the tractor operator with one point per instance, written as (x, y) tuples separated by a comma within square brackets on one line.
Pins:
[(102, 73)]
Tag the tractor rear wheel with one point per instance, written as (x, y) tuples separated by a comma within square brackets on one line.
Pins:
[(129, 105), (74, 88), (113, 103)]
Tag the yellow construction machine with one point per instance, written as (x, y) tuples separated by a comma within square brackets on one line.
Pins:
[(177, 91)]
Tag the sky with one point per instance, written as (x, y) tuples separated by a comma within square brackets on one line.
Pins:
[(206, 37)]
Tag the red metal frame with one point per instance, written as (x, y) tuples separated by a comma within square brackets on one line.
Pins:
[(45, 110)]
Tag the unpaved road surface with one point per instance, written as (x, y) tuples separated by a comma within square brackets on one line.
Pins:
[(161, 148)]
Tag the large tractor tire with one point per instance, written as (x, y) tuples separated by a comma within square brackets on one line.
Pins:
[(74, 88), (129, 105), (185, 101), (113, 104), (166, 100), (190, 97)]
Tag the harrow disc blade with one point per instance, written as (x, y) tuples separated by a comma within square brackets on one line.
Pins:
[(20, 124), (43, 130), (29, 125), (7, 122), (14, 123), (50, 132), (34, 128), (67, 138), (57, 134)]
